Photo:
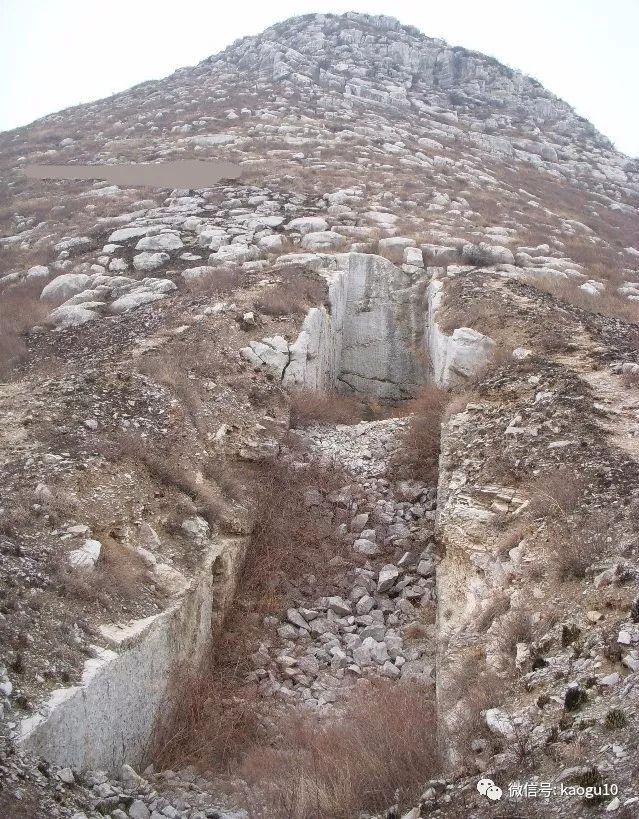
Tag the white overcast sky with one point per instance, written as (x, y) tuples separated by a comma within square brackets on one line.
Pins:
[(58, 53)]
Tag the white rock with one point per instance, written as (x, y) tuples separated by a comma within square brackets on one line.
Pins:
[(322, 241), (139, 810), (65, 286), (162, 241), (499, 722), (387, 577), (234, 253), (71, 316), (192, 273), (124, 234), (130, 301), (87, 556), (150, 261), (308, 224)]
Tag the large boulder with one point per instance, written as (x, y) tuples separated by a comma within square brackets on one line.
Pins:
[(124, 234), (163, 242), (235, 253), (72, 315), (325, 240), (308, 224), (65, 286), (135, 299), (150, 261)]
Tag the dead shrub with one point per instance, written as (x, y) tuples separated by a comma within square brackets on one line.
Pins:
[(418, 455), (88, 587), (475, 689), (290, 536), (310, 407), (514, 627), (573, 548), (206, 720), (291, 298), (220, 280), (631, 379), (380, 751), (556, 494), (122, 567), (20, 310)]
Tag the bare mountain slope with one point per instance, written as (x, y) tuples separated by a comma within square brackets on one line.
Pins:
[(231, 548)]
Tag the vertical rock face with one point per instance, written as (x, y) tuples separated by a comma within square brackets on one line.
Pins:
[(454, 358), (383, 329), (108, 718), (369, 340)]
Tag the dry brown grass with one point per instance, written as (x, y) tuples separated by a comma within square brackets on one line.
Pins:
[(573, 548), (557, 493), (418, 455), (167, 468), (208, 719), (380, 751), (609, 303), (20, 310), (310, 407), (289, 537), (291, 298), (220, 280), (212, 716), (475, 689)]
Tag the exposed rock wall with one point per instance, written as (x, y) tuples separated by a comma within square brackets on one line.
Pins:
[(370, 339), (108, 719), (459, 356)]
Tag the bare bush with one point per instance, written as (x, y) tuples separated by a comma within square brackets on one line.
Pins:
[(557, 493), (380, 751), (573, 549), (20, 310), (289, 538), (310, 407), (418, 455), (207, 720), (291, 298), (219, 280)]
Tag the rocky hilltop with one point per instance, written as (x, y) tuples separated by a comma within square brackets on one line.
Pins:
[(319, 487)]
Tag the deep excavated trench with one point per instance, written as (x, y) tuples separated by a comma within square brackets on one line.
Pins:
[(377, 336)]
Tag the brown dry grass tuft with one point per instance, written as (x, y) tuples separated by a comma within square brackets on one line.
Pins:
[(418, 455), (310, 407), (292, 298), (380, 751), (207, 720), (290, 537), (221, 280), (20, 310)]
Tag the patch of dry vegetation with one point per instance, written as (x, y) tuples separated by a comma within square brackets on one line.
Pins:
[(311, 407), (608, 303), (20, 311), (380, 751), (292, 298), (418, 455)]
